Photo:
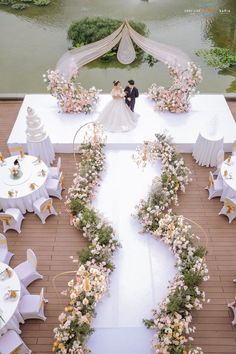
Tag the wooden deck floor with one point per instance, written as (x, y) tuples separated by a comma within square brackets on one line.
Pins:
[(56, 241)]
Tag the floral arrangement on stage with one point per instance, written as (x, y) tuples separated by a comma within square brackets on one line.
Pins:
[(71, 97), (172, 319), (176, 99), (92, 277)]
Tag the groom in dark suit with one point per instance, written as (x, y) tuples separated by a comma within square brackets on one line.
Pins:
[(131, 92)]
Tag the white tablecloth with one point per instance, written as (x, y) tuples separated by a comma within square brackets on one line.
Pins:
[(43, 148), (206, 149), (24, 196), (229, 181), (10, 316)]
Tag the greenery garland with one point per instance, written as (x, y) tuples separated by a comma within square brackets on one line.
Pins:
[(92, 277), (172, 318)]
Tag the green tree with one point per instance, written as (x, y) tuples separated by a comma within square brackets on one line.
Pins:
[(221, 58), (23, 4), (92, 29)]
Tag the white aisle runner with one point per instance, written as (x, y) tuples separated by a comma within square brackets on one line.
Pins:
[(143, 265)]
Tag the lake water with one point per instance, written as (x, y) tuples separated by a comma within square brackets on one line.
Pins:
[(32, 40)]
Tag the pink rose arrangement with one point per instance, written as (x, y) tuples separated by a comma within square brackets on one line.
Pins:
[(176, 98), (71, 97)]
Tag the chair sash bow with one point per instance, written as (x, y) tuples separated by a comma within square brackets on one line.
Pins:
[(230, 207), (6, 218)]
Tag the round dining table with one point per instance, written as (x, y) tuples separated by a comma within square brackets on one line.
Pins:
[(228, 174), (21, 191), (10, 293)]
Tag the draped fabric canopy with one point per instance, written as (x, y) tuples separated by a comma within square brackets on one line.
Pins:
[(74, 59)]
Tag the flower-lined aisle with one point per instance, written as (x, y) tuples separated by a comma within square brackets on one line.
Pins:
[(92, 277), (172, 319)]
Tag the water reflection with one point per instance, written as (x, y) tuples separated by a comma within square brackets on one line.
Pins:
[(40, 15), (220, 29), (33, 40), (62, 12), (231, 72)]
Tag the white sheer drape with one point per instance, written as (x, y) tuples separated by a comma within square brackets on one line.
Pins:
[(165, 53), (74, 59)]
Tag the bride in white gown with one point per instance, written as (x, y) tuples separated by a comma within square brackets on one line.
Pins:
[(117, 116)]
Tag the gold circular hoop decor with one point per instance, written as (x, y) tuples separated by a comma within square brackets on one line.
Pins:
[(94, 124), (57, 276), (201, 228)]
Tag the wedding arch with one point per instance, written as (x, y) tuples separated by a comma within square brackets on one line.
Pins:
[(74, 98), (76, 58)]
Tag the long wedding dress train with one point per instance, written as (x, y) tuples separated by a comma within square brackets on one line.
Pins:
[(117, 116)]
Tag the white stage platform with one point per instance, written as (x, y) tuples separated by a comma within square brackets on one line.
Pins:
[(184, 127)]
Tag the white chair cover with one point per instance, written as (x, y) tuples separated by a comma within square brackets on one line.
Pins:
[(55, 186), (11, 342), (26, 271), (15, 221), (54, 171), (5, 255), (229, 209), (32, 306), (40, 208)]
